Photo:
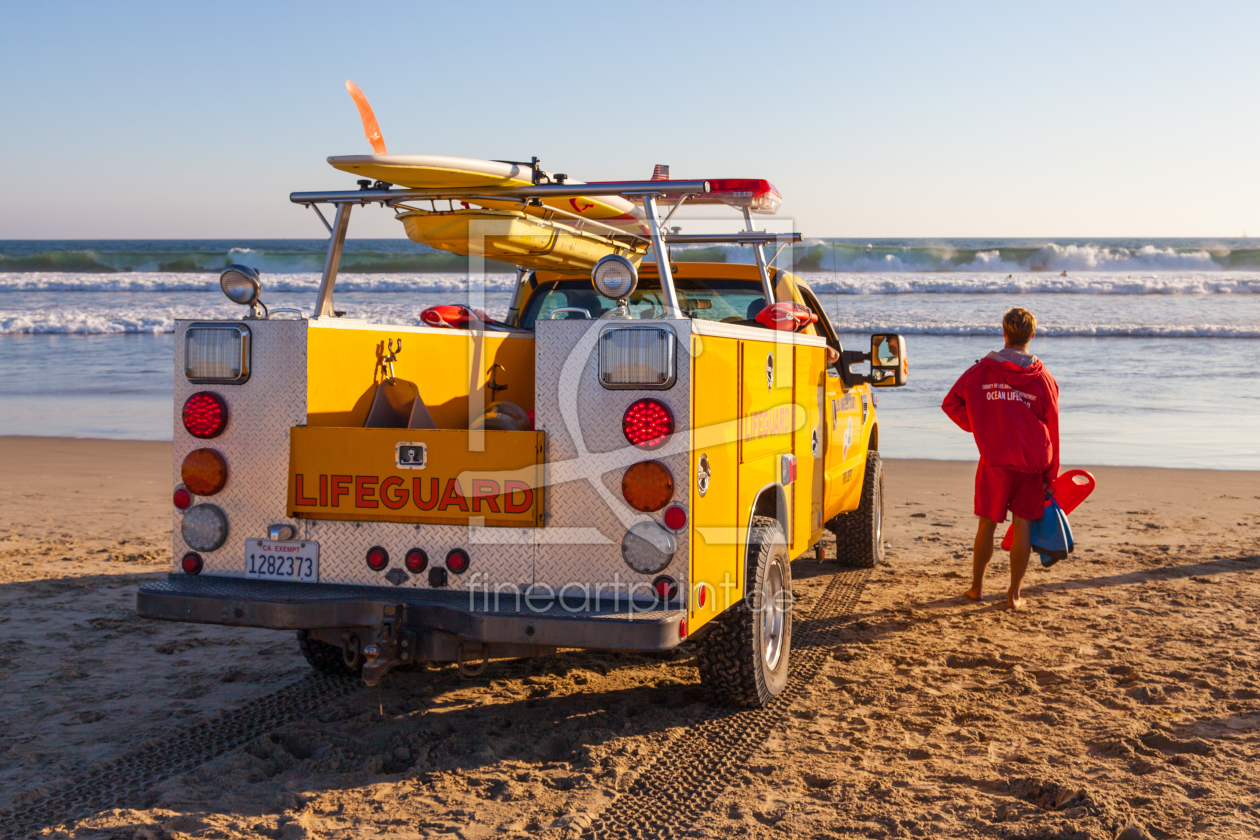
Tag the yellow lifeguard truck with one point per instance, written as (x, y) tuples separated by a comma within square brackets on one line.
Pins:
[(633, 457)]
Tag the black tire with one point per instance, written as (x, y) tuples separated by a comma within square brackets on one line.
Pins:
[(736, 658), (327, 659), (860, 534)]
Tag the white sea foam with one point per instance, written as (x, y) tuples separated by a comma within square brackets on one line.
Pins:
[(49, 281), (1151, 303), (984, 283), (845, 283)]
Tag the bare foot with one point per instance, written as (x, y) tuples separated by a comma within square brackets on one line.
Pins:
[(972, 594), (1015, 603)]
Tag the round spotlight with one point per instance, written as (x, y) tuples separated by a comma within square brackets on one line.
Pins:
[(615, 277), (241, 284), (191, 564), (647, 548), (416, 560), (377, 558), (204, 528), (647, 486), (457, 560), (205, 415), (204, 472)]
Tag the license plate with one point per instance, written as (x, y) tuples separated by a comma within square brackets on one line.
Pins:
[(282, 560)]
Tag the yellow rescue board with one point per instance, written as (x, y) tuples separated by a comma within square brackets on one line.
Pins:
[(512, 237), (435, 172), (416, 475)]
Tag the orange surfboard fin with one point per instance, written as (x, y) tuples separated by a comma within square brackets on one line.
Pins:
[(370, 128)]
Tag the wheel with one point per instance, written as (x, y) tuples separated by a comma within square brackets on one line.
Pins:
[(744, 659), (860, 534), (328, 659)]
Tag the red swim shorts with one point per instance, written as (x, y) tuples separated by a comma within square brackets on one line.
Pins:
[(999, 489)]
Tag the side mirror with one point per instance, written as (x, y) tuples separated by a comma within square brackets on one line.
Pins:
[(889, 364)]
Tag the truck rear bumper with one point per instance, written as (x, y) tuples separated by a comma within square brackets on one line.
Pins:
[(469, 615)]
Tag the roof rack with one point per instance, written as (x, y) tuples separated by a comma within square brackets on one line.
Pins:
[(647, 193)]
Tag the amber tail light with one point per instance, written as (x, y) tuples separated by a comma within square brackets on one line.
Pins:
[(647, 486), (204, 472)]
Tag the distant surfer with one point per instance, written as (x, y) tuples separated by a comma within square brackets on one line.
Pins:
[(1010, 402)]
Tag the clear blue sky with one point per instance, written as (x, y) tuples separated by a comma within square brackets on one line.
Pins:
[(134, 120)]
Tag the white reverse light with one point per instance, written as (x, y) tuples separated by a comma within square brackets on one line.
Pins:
[(641, 358), (204, 528), (647, 548), (615, 277), (218, 352)]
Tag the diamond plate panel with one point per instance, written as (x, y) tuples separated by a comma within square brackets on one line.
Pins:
[(587, 454), (255, 442), (256, 446), (496, 558)]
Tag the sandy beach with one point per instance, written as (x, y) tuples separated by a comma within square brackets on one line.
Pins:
[(1123, 702)]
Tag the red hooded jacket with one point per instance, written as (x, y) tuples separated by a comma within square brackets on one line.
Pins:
[(1013, 412)]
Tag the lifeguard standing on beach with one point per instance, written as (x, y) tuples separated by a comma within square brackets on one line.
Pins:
[(1010, 402)]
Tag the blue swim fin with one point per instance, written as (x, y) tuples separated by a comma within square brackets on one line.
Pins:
[(1052, 535)]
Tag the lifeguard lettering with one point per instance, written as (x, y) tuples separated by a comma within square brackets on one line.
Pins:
[(299, 496), (390, 500), (367, 492), (487, 491), (340, 487), (364, 489), (510, 489), (418, 497), (453, 494), (772, 421)]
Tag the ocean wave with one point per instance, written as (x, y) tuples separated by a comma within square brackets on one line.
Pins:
[(826, 255), (274, 262), (837, 283), (388, 256), (152, 321), (40, 281), (1045, 330), (984, 283)]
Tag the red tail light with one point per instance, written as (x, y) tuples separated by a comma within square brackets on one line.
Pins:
[(416, 560), (183, 499), (666, 588), (648, 423), (457, 560), (377, 558), (191, 564), (205, 415), (675, 518)]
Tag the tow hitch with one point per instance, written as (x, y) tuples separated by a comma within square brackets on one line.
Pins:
[(393, 645)]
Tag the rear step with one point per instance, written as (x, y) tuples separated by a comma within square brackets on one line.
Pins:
[(471, 615)]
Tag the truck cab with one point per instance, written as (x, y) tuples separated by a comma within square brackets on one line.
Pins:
[(632, 457)]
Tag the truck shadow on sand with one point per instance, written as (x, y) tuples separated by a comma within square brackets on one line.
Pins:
[(524, 733), (520, 730)]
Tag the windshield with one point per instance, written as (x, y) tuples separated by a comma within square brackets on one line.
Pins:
[(729, 301)]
